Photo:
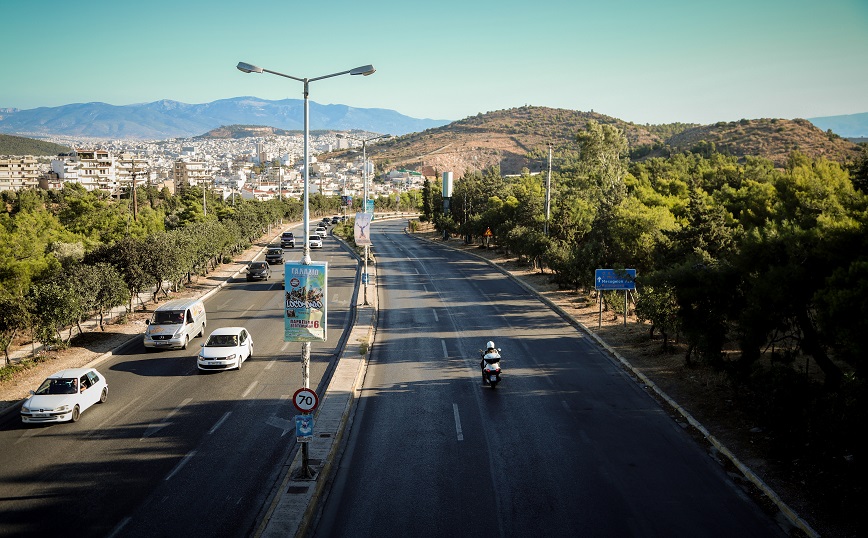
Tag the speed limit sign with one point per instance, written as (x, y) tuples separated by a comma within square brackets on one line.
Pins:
[(305, 400)]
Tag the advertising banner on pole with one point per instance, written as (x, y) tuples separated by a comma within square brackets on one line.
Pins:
[(305, 301), (362, 229), (303, 428)]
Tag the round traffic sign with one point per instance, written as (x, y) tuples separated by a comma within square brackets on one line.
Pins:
[(305, 400)]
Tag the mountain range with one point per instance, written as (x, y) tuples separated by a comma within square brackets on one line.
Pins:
[(172, 119)]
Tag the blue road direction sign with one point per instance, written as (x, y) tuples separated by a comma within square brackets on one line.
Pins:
[(615, 279)]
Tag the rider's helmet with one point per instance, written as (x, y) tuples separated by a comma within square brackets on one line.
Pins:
[(490, 344)]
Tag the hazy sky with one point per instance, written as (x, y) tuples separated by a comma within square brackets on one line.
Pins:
[(638, 60)]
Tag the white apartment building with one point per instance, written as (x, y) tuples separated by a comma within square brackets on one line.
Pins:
[(17, 173), (94, 169), (190, 173)]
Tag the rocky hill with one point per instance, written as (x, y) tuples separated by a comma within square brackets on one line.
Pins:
[(245, 131), (518, 138), (512, 139), (773, 139)]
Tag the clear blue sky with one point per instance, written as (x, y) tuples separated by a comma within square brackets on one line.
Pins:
[(638, 60)]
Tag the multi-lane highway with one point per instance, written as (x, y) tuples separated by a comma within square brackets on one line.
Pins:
[(567, 445), (174, 452)]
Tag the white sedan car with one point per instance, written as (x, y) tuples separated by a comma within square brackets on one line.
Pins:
[(65, 396), (225, 349)]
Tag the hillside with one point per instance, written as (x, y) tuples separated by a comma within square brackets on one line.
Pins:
[(513, 139), (517, 138), (773, 139), (19, 145)]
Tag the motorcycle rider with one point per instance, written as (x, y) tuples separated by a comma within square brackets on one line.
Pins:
[(490, 348)]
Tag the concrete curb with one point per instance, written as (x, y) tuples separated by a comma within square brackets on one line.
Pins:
[(792, 517)]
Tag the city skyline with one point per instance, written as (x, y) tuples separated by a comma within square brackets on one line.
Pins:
[(664, 62)]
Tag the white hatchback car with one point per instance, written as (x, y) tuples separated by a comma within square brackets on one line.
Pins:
[(64, 396), (321, 232), (315, 241), (225, 349)]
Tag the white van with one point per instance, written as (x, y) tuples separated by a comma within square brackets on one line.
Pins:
[(175, 323)]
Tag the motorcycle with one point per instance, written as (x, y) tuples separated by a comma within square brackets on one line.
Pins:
[(491, 371)]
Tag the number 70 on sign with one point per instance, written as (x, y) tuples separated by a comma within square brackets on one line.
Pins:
[(305, 400)]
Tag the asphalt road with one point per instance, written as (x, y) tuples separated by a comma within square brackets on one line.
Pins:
[(174, 452), (566, 445)]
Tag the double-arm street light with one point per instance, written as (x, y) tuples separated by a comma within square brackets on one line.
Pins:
[(305, 259), (364, 142), (363, 70)]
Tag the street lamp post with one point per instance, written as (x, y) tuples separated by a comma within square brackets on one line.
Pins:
[(364, 142), (548, 193), (364, 70)]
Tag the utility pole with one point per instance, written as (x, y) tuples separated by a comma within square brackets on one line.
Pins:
[(548, 193), (135, 198)]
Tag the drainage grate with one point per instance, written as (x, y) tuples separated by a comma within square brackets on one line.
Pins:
[(297, 489)]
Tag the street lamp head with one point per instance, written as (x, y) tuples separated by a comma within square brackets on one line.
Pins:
[(248, 68), (363, 70)]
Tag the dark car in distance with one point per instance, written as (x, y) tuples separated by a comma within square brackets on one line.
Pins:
[(258, 271), (287, 240), (274, 255)]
